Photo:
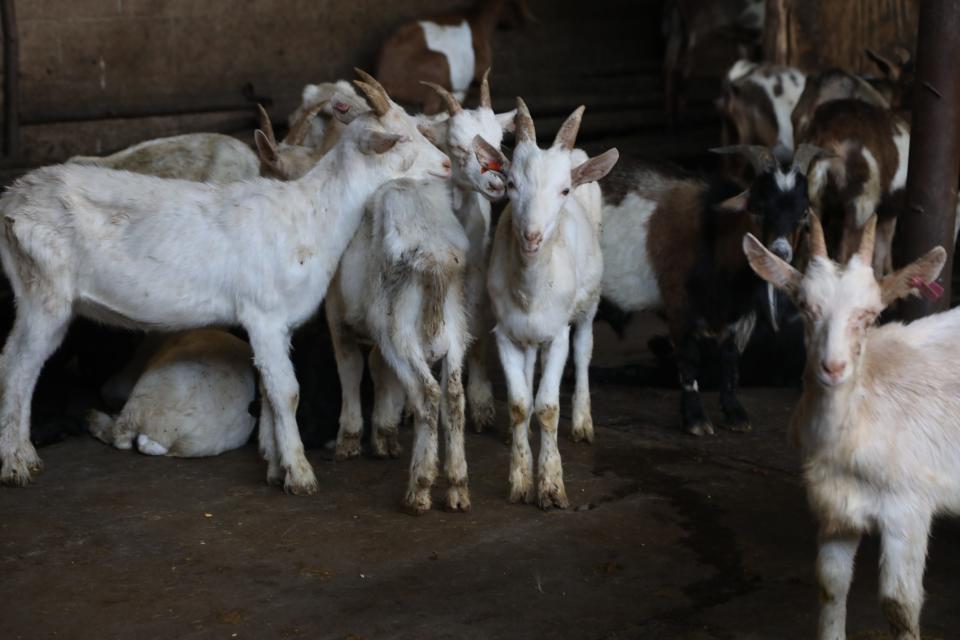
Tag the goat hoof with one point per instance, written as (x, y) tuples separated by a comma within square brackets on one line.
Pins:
[(583, 431), (20, 467), (275, 475), (521, 493), (552, 496), (417, 502), (386, 444), (301, 481), (458, 499), (482, 416), (701, 429), (348, 447)]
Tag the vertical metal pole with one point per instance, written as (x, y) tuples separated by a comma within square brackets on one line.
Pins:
[(931, 198), (11, 79)]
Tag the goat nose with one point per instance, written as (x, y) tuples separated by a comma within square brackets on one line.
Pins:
[(532, 236), (782, 249), (833, 368)]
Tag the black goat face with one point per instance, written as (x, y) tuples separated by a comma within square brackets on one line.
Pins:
[(778, 202)]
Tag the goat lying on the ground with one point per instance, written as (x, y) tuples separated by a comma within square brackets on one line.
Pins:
[(201, 157), (191, 399), (878, 422)]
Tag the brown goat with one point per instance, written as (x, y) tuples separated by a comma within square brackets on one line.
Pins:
[(450, 50)]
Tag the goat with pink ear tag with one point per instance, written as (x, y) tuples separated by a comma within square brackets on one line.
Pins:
[(878, 423), (544, 275)]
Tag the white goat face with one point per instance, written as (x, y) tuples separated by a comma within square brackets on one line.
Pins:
[(839, 303), (470, 173), (538, 185)]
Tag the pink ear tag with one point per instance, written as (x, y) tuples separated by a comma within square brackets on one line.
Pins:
[(931, 291), (492, 166)]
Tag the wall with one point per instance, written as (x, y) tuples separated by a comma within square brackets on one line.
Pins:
[(98, 75)]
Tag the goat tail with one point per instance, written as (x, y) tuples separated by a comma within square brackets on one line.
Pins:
[(435, 283)]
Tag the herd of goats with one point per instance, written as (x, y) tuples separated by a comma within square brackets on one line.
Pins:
[(385, 217)]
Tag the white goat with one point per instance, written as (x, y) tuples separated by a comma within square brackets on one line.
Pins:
[(400, 284), (201, 157), (325, 129), (288, 159), (476, 181), (141, 251), (192, 399), (544, 274), (878, 423)]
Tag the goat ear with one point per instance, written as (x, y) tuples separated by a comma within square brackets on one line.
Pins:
[(735, 204), (887, 67), (266, 149), (507, 120), (379, 141), (595, 168), (489, 157), (769, 267), (435, 132), (909, 279)]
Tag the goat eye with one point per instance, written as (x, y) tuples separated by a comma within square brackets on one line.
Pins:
[(510, 184), (566, 191)]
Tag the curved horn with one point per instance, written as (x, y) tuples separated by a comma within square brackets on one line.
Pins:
[(867, 240), (265, 125), (298, 130), (567, 135), (378, 100), (524, 123), (370, 80), (453, 105), (760, 157), (485, 90), (818, 246), (806, 154)]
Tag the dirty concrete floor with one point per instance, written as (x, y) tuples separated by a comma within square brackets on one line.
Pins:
[(668, 537)]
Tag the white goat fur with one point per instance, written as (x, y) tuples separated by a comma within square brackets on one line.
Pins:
[(878, 423), (400, 284), (201, 157), (325, 129), (191, 400), (544, 275), (145, 252)]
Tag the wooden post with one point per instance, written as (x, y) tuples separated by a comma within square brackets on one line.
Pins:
[(11, 79), (931, 199)]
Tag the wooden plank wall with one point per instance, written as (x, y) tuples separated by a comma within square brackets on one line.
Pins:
[(820, 34), (99, 75)]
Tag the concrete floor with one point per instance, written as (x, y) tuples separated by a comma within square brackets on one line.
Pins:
[(668, 537)]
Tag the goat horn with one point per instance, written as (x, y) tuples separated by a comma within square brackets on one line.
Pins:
[(453, 105), (376, 98), (760, 157), (485, 90), (298, 130), (369, 79), (524, 123), (867, 240), (567, 135), (818, 246), (265, 125), (806, 154)]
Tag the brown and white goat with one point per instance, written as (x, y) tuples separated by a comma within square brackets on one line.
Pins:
[(671, 243), (450, 50), (755, 108), (870, 146), (878, 423)]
